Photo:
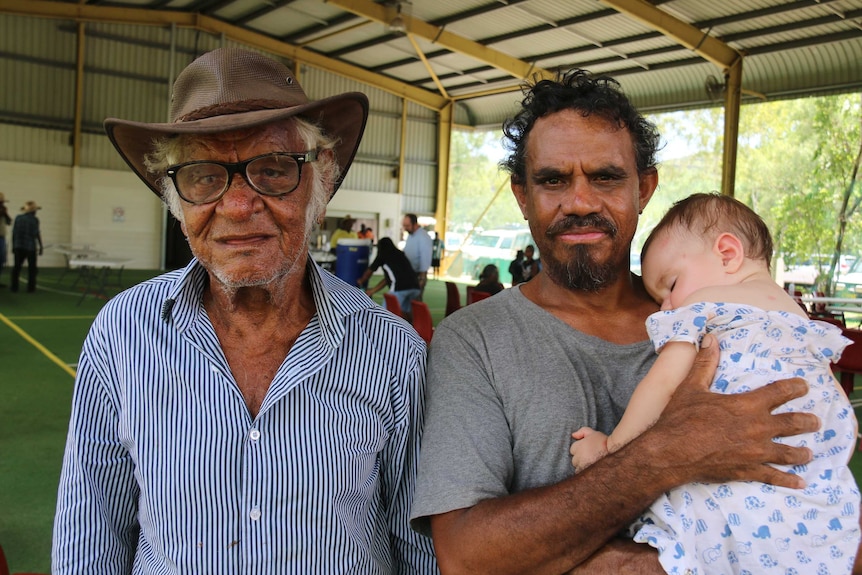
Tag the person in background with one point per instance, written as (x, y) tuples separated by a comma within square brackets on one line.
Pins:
[(530, 267), (5, 220), (250, 413), (365, 233), (344, 232), (418, 249), (496, 487), (437, 249), (710, 249), (516, 268), (489, 280), (398, 275), (26, 245)]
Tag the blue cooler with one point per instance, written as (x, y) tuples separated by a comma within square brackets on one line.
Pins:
[(351, 259)]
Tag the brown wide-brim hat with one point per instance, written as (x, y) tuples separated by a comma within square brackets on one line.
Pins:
[(231, 89)]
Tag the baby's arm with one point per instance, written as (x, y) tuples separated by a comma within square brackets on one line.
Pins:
[(591, 445), (653, 392)]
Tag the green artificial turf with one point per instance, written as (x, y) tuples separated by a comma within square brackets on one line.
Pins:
[(35, 396)]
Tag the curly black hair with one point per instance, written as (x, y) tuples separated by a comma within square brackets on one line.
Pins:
[(589, 94)]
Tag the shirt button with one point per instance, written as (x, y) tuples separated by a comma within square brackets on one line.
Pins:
[(254, 435), (254, 514)]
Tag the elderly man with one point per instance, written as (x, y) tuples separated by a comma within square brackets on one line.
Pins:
[(496, 486), (249, 413), (26, 245)]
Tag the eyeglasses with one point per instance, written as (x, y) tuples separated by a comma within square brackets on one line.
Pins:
[(276, 174)]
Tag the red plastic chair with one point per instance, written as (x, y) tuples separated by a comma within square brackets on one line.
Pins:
[(828, 319), (453, 298), (474, 295), (392, 304), (850, 363), (4, 566), (422, 322)]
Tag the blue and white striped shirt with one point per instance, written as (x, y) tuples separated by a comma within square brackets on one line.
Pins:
[(165, 471)]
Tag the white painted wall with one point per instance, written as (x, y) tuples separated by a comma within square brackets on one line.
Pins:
[(113, 212), (386, 207), (51, 188)]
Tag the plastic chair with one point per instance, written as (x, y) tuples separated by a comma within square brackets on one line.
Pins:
[(850, 363), (453, 298), (474, 295), (422, 322), (797, 297), (820, 310), (4, 566), (828, 319), (392, 304)]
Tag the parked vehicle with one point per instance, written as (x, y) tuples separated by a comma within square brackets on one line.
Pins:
[(850, 284), (497, 246), (805, 273)]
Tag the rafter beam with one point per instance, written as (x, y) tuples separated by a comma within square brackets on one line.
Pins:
[(110, 14), (706, 46), (438, 35)]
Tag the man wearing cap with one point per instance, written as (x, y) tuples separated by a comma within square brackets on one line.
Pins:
[(249, 413), (5, 220), (26, 244)]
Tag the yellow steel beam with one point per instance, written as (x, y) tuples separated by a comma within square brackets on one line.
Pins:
[(445, 121), (427, 64), (706, 46), (732, 101), (438, 35), (90, 13)]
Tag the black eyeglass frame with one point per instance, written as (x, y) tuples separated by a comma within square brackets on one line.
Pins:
[(234, 168)]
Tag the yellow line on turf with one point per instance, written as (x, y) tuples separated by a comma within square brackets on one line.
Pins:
[(51, 317), (37, 345)]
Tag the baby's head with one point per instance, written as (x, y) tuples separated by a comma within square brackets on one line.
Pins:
[(690, 241)]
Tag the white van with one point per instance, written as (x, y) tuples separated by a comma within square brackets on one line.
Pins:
[(497, 247)]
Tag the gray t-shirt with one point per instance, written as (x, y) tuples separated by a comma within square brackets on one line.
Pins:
[(508, 383)]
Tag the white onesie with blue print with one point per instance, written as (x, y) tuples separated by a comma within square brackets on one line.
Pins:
[(749, 527)]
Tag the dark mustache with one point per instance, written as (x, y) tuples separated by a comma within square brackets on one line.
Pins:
[(574, 223)]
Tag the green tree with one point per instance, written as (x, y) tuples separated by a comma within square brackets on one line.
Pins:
[(478, 189)]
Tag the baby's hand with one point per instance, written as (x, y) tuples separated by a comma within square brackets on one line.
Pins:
[(591, 445)]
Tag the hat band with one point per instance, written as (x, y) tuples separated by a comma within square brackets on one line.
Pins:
[(233, 108)]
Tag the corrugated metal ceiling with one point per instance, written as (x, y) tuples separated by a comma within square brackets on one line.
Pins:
[(480, 49)]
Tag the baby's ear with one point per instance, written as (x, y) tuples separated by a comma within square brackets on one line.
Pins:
[(729, 249)]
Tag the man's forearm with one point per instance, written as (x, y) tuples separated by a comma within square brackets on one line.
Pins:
[(551, 529), (621, 557)]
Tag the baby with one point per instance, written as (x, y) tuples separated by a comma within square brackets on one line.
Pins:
[(707, 264)]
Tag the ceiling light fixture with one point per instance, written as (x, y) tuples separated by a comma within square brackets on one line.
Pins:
[(398, 24)]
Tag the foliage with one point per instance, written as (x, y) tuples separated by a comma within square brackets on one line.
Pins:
[(797, 162), (479, 193)]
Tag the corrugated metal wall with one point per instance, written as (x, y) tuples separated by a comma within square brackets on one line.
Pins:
[(127, 75)]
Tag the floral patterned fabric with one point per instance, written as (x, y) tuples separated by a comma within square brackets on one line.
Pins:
[(754, 528)]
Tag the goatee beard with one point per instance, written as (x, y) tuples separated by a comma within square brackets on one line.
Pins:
[(581, 272)]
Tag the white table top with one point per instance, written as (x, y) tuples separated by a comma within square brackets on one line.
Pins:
[(98, 263)]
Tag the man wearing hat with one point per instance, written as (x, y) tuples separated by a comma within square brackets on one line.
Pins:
[(249, 413), (344, 232), (5, 220), (26, 240)]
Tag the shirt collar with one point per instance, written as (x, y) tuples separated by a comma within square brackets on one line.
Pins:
[(334, 299)]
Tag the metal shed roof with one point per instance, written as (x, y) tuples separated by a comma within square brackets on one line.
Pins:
[(476, 53)]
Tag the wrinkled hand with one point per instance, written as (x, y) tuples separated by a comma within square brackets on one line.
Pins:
[(591, 445), (706, 436)]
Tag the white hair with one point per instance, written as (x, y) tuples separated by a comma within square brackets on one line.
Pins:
[(168, 150)]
